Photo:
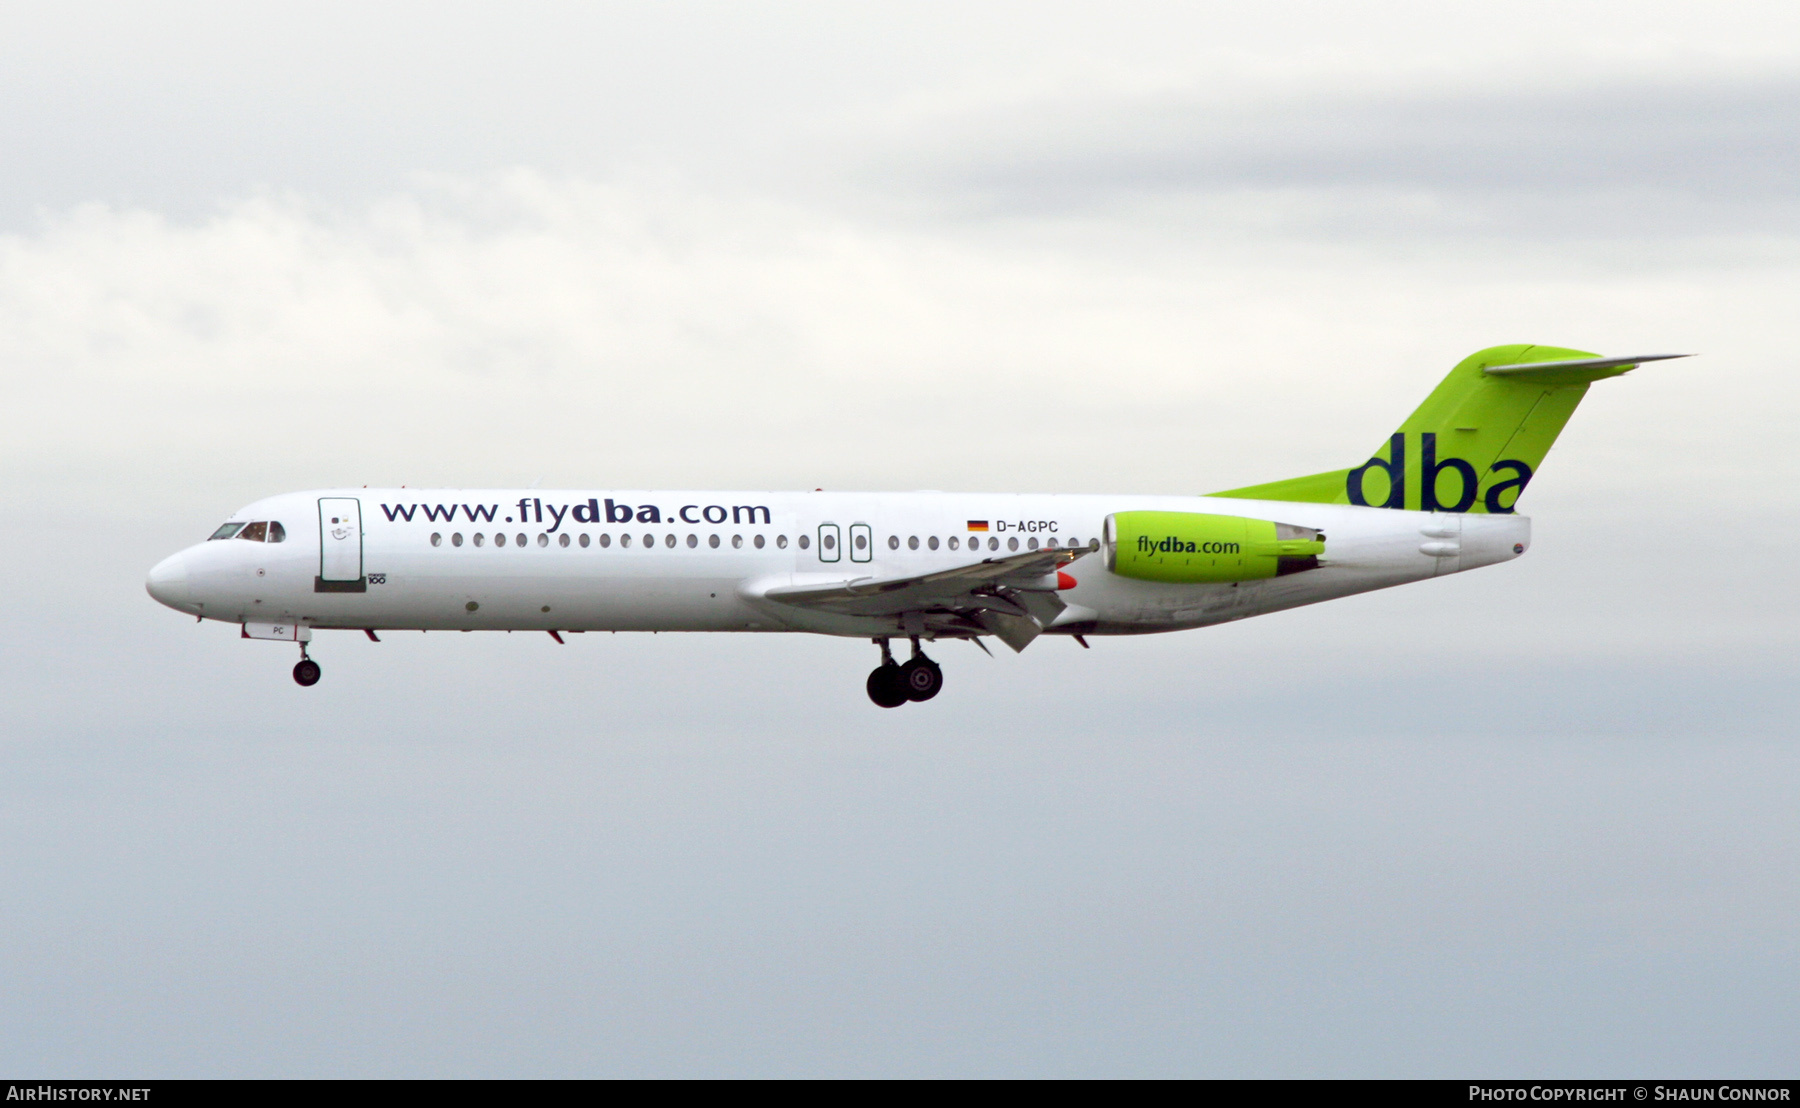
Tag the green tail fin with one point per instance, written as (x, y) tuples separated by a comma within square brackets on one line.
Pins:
[(1476, 440)]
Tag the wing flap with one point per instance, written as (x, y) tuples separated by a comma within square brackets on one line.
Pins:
[(1013, 598)]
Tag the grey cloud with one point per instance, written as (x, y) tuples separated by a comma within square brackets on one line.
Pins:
[(1662, 157)]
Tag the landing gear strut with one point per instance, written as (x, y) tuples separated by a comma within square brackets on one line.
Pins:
[(306, 671), (891, 685)]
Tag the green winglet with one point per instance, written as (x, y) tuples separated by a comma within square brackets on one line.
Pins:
[(1474, 443)]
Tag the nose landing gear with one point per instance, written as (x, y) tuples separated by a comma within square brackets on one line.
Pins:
[(306, 671), (891, 685)]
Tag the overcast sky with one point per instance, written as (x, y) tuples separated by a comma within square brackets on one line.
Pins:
[(1534, 820)]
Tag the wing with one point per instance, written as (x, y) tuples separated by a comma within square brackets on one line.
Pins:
[(1013, 598)]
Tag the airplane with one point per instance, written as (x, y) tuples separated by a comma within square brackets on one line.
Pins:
[(1439, 496)]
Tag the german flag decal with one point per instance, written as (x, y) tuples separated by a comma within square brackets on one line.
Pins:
[(978, 525)]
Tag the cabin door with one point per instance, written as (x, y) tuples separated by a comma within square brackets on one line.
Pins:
[(340, 545)]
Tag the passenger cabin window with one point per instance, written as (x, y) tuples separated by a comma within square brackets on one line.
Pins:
[(225, 531), (255, 532)]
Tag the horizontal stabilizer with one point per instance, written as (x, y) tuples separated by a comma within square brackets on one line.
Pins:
[(1531, 369)]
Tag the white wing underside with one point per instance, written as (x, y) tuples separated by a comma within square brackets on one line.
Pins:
[(1012, 598)]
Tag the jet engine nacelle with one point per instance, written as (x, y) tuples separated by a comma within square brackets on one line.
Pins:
[(1192, 548)]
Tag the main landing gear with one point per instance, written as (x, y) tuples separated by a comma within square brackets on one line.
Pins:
[(891, 684), (306, 671)]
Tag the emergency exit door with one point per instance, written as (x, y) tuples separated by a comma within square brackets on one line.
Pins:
[(340, 546)]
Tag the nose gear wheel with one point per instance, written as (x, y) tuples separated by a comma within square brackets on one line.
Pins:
[(306, 671)]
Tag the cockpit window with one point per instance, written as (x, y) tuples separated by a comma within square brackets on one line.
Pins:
[(225, 531), (256, 532), (277, 533)]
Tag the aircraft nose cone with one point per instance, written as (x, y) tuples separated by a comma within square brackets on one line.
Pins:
[(168, 582)]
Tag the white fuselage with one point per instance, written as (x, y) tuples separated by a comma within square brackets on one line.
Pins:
[(703, 561)]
